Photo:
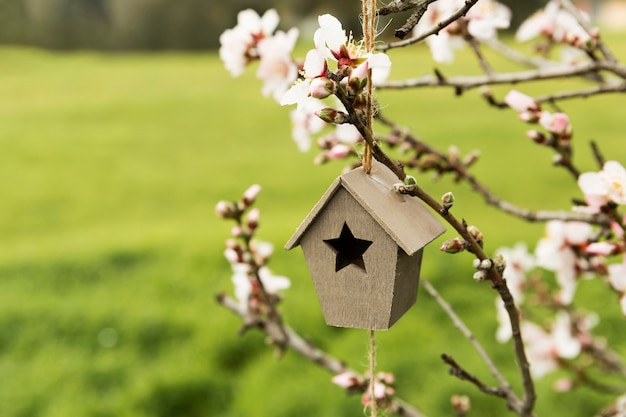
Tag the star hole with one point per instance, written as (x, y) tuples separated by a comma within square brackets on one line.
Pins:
[(349, 249)]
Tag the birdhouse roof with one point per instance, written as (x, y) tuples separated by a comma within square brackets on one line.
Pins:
[(404, 218)]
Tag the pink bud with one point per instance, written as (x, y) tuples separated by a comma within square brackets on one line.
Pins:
[(536, 136), (225, 210), (236, 231), (528, 117), (520, 102), (330, 115), (452, 245), (347, 380), (250, 194), (321, 87), (603, 248), (339, 151), (557, 123), (232, 256), (253, 218)]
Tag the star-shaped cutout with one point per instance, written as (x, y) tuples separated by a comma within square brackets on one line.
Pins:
[(349, 249)]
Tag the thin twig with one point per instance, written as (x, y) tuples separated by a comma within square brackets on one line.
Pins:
[(458, 371), (432, 31), (462, 173), (504, 389), (546, 73), (499, 284)]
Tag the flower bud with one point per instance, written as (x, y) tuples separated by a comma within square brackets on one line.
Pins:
[(461, 404), (225, 210), (253, 218), (455, 245), (330, 115), (536, 136), (475, 233), (232, 256), (480, 276), (339, 151), (410, 180), (528, 117), (236, 231), (250, 194), (485, 264), (321, 87), (500, 263), (603, 248), (447, 200), (520, 102), (470, 158)]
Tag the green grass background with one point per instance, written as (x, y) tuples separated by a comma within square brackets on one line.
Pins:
[(111, 255)]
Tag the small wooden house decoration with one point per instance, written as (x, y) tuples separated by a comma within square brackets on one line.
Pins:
[(363, 245)]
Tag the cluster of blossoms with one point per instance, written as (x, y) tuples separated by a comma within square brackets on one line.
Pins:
[(383, 387), (481, 22), (557, 125), (336, 62), (557, 26), (571, 250), (252, 279), (253, 38)]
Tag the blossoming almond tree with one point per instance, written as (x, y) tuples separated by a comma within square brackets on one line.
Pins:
[(332, 89)]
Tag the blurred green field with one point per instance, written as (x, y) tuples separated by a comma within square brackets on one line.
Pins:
[(111, 256)]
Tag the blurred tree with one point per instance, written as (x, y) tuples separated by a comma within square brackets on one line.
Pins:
[(162, 24)]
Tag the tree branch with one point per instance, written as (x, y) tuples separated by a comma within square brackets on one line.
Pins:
[(547, 73), (308, 350), (432, 31)]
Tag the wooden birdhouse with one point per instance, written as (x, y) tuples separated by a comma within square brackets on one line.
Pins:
[(363, 245)]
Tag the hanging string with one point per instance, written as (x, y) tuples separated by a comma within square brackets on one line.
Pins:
[(372, 370), (368, 10)]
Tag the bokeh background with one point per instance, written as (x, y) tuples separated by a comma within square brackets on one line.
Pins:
[(120, 130)]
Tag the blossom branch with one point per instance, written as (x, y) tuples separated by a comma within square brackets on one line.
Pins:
[(445, 164), (432, 31), (461, 83), (289, 338), (588, 92), (499, 284)]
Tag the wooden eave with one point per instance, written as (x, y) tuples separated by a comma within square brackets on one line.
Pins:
[(404, 218)]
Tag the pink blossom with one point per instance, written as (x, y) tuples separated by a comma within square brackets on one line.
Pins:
[(347, 380), (483, 21), (520, 102), (332, 42), (339, 151), (231, 256), (544, 349), (277, 69), (518, 262), (617, 280), (225, 209), (486, 18), (300, 92), (604, 186), (243, 286), (557, 123), (554, 252), (556, 24), (238, 45), (250, 194), (603, 248), (305, 123)]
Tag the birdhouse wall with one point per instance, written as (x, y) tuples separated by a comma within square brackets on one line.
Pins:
[(406, 285), (352, 297)]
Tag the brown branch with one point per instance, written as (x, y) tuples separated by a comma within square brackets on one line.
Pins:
[(547, 73), (504, 390), (588, 92), (308, 350), (499, 284), (458, 371), (462, 172), (432, 31)]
